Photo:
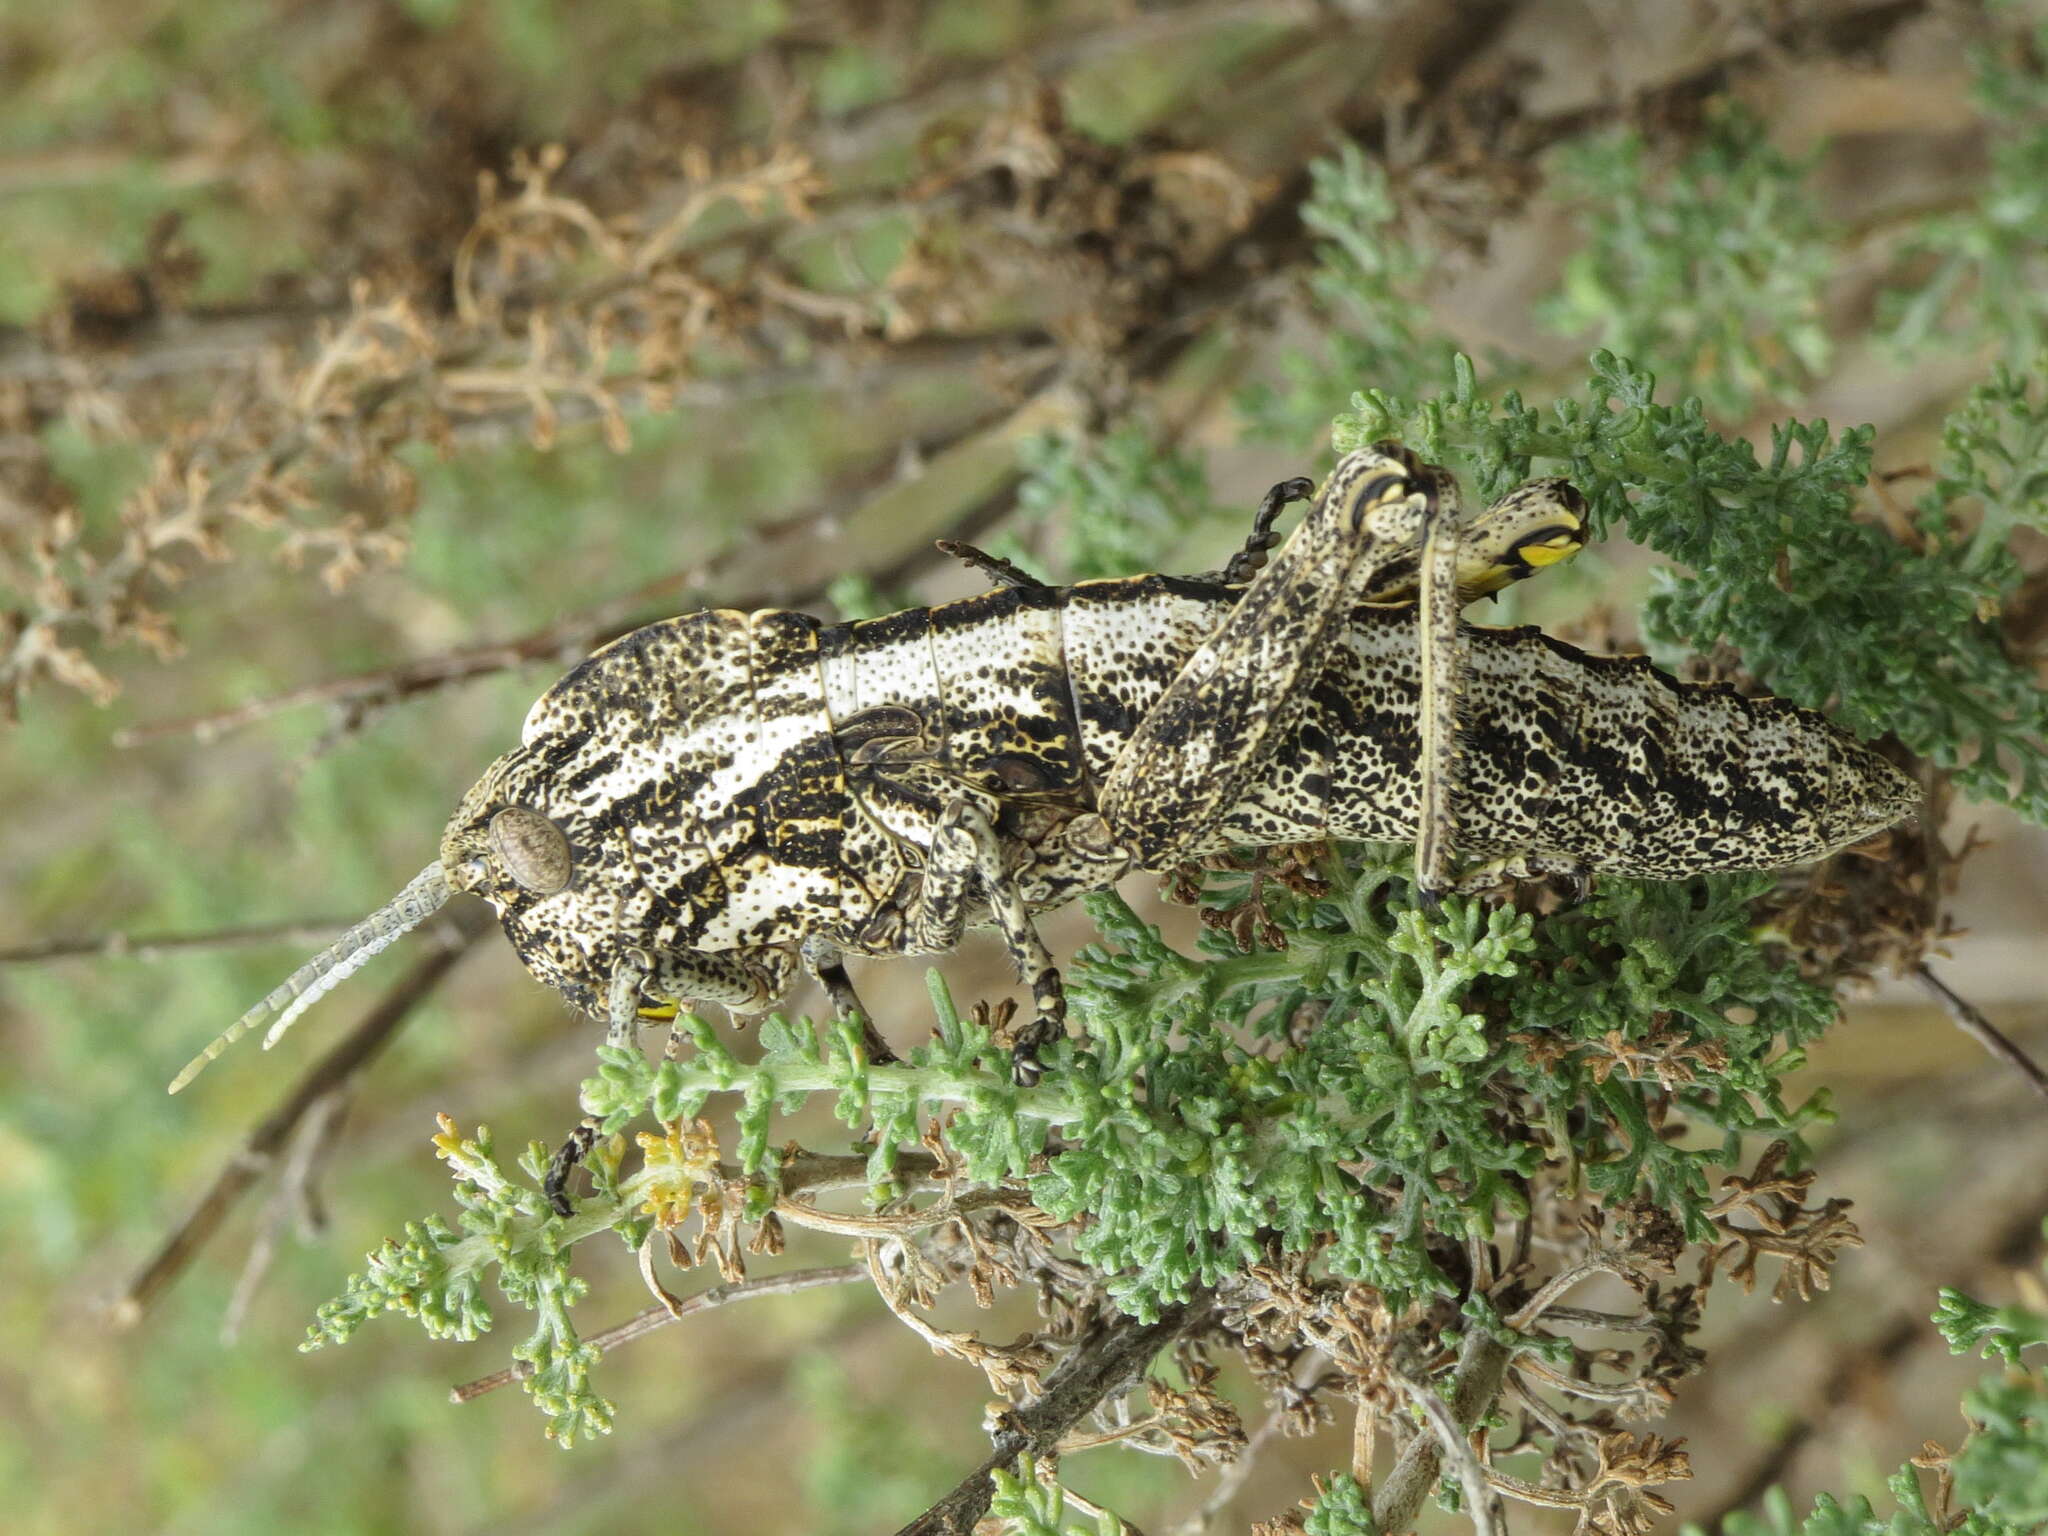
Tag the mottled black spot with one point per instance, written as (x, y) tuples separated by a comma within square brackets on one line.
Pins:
[(970, 613), (892, 628), (596, 767), (1109, 713)]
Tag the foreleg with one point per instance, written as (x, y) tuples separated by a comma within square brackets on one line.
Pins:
[(739, 980), (1571, 872), (652, 985), (1249, 559)]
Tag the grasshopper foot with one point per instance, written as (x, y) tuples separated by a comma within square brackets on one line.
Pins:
[(576, 1147), (1251, 559), (1049, 1024), (1025, 1068), (829, 967), (1003, 573), (1571, 878)]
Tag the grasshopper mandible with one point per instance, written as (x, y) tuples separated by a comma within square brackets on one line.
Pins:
[(712, 803)]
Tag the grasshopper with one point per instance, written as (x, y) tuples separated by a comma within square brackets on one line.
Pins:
[(711, 804)]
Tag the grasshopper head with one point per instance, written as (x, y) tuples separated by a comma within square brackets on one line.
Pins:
[(543, 860), (522, 846)]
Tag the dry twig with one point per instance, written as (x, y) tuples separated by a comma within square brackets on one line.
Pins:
[(1972, 1022), (646, 1321), (155, 946), (1113, 1357)]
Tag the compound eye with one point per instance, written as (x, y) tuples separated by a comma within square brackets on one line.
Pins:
[(533, 849)]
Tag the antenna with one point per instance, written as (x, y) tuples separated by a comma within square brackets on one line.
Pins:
[(420, 900)]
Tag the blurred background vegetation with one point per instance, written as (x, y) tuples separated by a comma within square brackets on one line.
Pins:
[(362, 362)]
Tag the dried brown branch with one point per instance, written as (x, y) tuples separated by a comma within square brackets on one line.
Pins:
[(1474, 1384), (449, 938), (1102, 1512), (903, 1279), (646, 1321), (884, 535), (866, 131), (1644, 1244), (1239, 1472), (802, 1213), (387, 374), (1806, 1242), (1613, 1501), (1972, 1022), (1637, 1399), (536, 337), (296, 1199), (1107, 1362), (1482, 1507), (155, 946)]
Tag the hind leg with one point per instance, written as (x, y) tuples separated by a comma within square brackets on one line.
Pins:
[(651, 986), (1198, 749)]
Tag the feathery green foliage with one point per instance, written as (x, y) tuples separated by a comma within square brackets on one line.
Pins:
[(1342, 1508), (1979, 273), (2000, 1471), (1355, 1091), (1364, 296), (1193, 1128), (1120, 497), (1714, 267), (1034, 1507)]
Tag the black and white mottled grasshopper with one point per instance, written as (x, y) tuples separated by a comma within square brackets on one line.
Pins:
[(713, 802)]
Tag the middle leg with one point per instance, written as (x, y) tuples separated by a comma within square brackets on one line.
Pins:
[(1442, 682), (824, 961), (965, 862)]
